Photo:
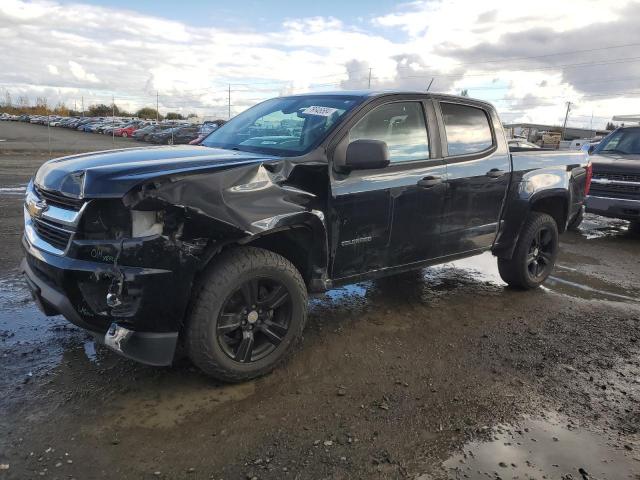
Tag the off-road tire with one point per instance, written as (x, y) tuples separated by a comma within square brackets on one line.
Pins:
[(577, 220), (218, 282), (515, 271)]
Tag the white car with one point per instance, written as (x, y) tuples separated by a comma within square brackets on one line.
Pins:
[(521, 143)]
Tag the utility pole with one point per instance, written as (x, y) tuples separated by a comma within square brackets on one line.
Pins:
[(157, 106), (82, 100), (430, 83), (229, 116), (369, 79), (113, 120), (566, 117)]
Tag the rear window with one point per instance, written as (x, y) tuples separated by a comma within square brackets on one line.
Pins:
[(467, 129)]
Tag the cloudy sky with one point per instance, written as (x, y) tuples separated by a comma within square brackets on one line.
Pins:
[(529, 58)]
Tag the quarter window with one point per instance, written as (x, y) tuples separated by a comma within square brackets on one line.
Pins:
[(400, 125), (467, 129)]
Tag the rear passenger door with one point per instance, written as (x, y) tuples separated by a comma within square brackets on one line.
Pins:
[(478, 172)]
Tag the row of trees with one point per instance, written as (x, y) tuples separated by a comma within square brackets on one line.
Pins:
[(23, 106)]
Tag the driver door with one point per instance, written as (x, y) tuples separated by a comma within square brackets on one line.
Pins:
[(388, 217)]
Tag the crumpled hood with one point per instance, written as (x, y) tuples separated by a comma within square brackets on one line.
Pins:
[(615, 163), (112, 173)]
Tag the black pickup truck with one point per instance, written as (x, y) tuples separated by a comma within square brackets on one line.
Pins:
[(615, 189), (214, 248)]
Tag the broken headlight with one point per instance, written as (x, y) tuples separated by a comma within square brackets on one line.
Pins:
[(146, 223), (106, 220)]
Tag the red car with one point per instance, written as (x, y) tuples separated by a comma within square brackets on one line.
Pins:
[(127, 130)]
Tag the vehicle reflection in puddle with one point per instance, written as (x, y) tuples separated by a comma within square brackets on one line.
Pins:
[(542, 448), (483, 269)]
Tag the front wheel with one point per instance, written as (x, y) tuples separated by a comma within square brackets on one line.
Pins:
[(535, 254), (248, 314), (125, 134)]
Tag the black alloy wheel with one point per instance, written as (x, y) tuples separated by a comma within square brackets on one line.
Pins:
[(542, 253), (534, 255), (254, 320), (248, 313)]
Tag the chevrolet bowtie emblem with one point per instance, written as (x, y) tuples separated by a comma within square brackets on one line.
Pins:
[(37, 208)]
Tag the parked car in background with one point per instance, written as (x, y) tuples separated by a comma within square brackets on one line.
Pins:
[(175, 135), (205, 129), (615, 189), (588, 148), (144, 133), (128, 129), (522, 144), (216, 247)]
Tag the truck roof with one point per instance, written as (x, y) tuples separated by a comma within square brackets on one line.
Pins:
[(380, 93)]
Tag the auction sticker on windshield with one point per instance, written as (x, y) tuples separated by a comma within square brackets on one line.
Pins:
[(320, 111)]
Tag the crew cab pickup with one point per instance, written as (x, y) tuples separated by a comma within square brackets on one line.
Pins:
[(215, 248), (616, 176)]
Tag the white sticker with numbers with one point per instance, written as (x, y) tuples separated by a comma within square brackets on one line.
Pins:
[(320, 111)]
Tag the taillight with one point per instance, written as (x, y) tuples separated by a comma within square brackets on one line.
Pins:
[(587, 184)]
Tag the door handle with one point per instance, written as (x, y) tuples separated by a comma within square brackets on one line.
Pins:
[(495, 173), (429, 182)]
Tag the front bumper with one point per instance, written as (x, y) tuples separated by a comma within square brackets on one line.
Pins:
[(624, 208), (63, 285)]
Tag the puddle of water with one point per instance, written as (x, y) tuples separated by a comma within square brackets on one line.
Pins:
[(483, 269), (594, 226), (20, 320), (172, 404), (543, 448)]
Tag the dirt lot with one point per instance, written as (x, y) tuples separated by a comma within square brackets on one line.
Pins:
[(444, 373)]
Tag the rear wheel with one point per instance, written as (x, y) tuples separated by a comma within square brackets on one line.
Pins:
[(248, 314), (125, 134), (535, 254)]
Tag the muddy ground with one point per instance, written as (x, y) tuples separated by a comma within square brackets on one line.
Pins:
[(443, 373)]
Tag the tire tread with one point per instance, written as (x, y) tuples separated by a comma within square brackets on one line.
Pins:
[(211, 293)]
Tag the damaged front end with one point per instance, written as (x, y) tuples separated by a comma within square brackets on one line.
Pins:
[(123, 274), (123, 268)]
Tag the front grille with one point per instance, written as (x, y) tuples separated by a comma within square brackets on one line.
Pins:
[(620, 177), (54, 235), (60, 200)]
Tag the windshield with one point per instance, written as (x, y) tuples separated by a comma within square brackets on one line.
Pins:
[(625, 141), (287, 126)]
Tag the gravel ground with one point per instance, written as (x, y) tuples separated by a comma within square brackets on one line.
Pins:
[(442, 373)]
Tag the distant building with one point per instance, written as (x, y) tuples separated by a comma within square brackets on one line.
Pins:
[(533, 131)]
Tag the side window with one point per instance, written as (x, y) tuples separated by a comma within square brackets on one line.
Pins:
[(401, 125), (467, 129)]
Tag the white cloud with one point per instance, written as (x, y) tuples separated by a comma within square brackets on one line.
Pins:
[(97, 52), (80, 73)]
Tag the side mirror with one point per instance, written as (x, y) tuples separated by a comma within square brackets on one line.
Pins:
[(367, 154)]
